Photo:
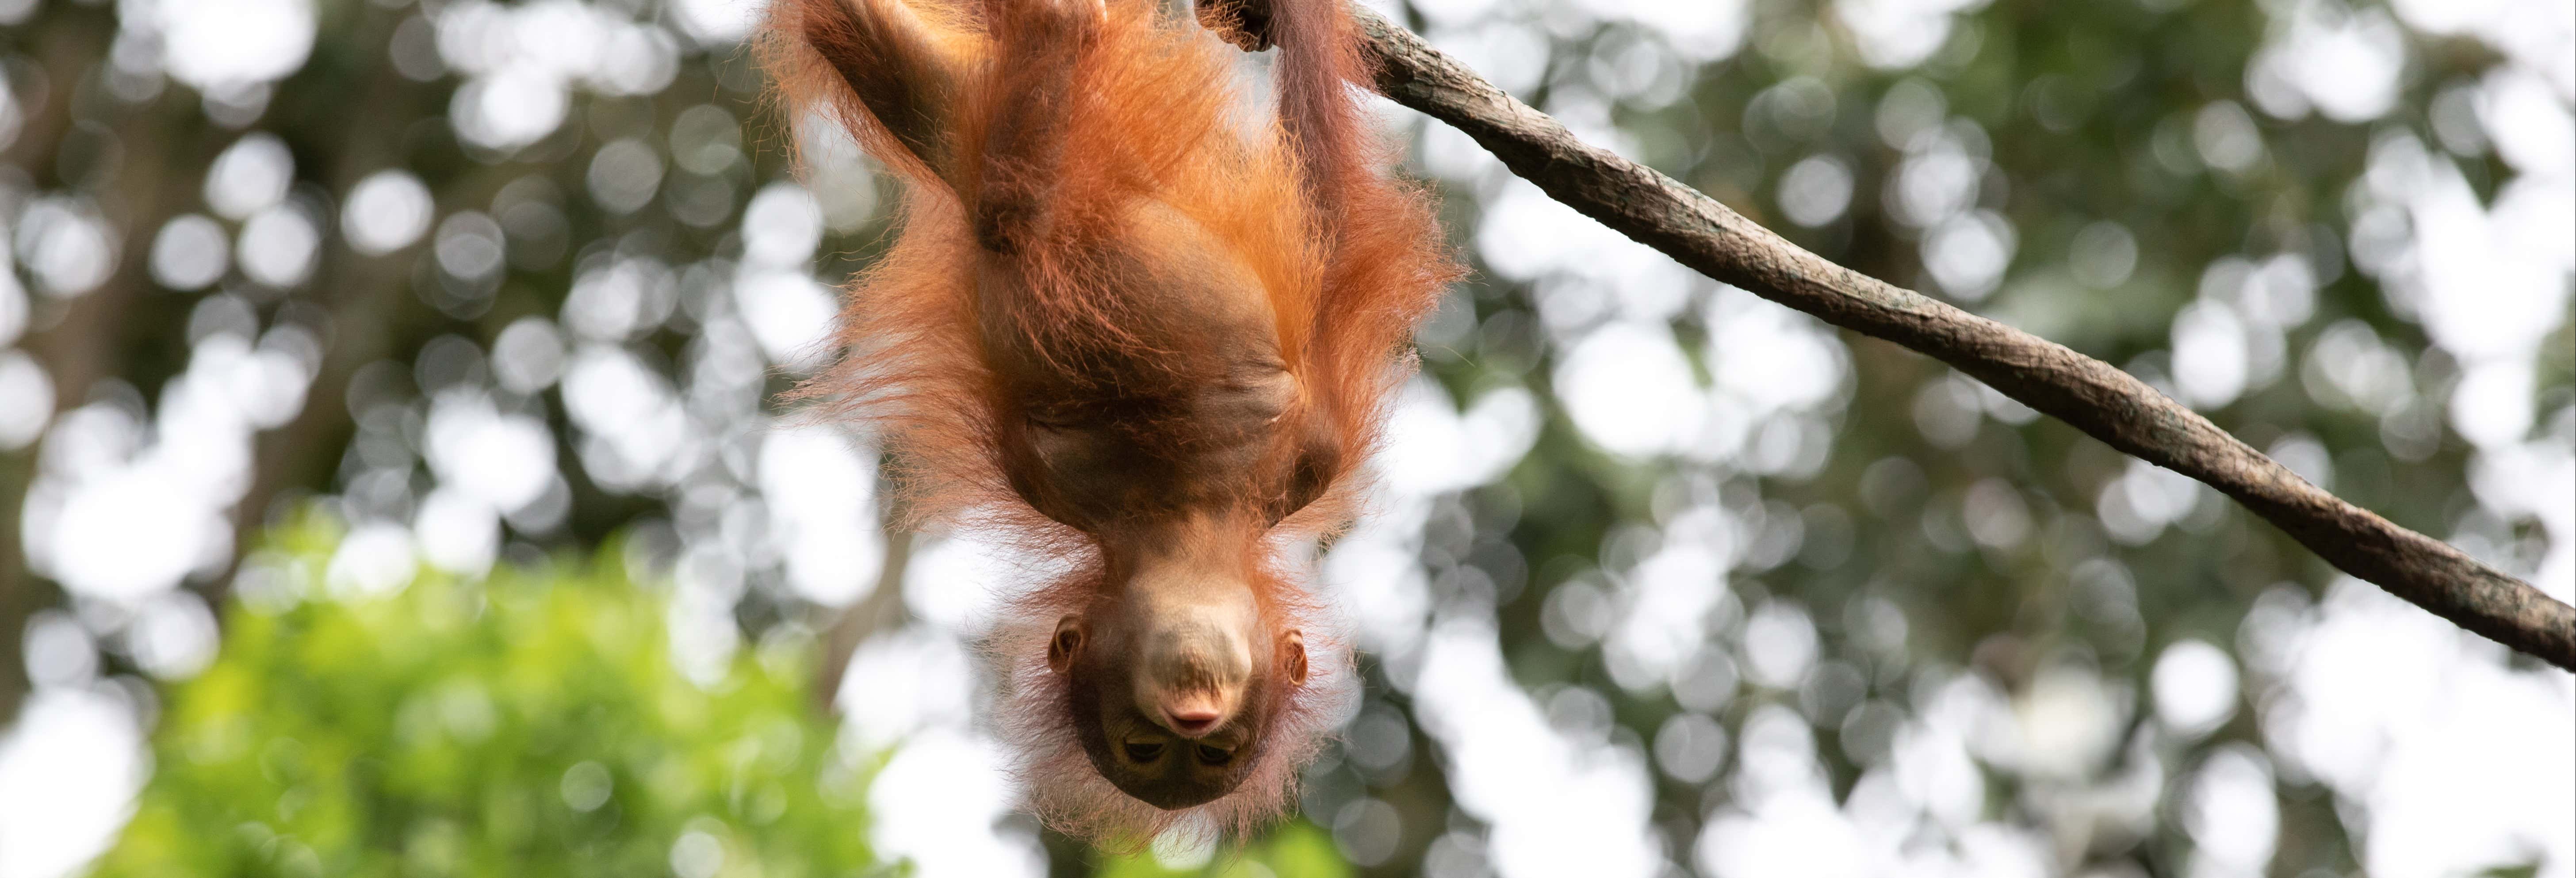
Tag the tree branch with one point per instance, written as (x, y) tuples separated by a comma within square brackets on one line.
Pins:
[(2103, 401), (881, 611)]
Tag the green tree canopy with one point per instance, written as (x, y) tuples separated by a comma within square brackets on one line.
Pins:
[(531, 723)]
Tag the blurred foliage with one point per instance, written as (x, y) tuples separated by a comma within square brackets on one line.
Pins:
[(1294, 850), (529, 724)]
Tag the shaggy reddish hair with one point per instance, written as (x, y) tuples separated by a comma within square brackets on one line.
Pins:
[(1351, 260)]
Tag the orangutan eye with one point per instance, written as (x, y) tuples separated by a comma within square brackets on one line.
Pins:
[(1141, 753), (1214, 756)]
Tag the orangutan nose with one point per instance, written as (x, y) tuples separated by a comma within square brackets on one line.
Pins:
[(1192, 721)]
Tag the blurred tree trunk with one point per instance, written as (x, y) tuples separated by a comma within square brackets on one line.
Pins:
[(21, 592), (73, 340), (361, 296)]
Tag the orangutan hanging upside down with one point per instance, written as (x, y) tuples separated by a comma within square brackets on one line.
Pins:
[(1135, 323)]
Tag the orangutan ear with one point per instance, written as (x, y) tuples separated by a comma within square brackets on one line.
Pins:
[(1066, 646), (1292, 657)]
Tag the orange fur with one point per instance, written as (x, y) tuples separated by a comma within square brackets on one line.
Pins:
[(1348, 258)]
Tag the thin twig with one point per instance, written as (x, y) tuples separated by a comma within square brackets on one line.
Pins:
[(880, 611), (2113, 406)]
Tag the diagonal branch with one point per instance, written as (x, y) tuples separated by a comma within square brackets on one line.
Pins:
[(2113, 406)]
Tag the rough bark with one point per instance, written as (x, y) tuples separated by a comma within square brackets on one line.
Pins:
[(2095, 397)]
